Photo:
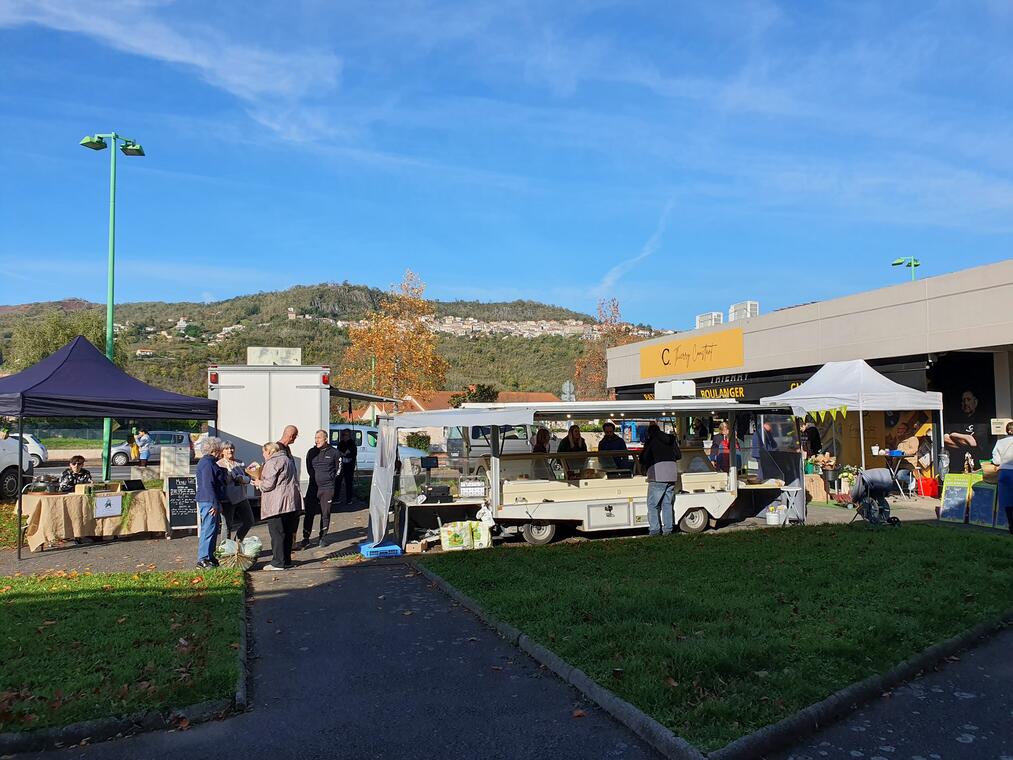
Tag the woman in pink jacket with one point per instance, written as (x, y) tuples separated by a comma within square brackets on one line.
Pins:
[(280, 503)]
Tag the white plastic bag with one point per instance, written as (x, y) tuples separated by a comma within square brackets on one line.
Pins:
[(251, 546), (228, 546)]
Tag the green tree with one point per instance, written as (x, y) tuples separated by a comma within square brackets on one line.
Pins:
[(34, 339)]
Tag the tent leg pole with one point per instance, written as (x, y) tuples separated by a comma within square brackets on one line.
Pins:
[(941, 446), (861, 433), (21, 455)]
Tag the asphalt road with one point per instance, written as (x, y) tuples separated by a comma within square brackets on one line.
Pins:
[(962, 710)]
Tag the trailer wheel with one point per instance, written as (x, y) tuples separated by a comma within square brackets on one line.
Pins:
[(694, 521), (538, 534)]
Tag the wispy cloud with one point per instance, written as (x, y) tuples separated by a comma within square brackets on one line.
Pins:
[(607, 283), (265, 79)]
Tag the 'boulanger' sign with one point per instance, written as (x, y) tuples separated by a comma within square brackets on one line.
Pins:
[(703, 353)]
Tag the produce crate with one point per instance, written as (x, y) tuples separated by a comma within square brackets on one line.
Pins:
[(386, 548)]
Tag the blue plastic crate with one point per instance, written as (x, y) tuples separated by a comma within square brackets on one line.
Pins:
[(386, 548)]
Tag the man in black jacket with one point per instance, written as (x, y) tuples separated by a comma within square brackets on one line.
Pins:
[(322, 464), (348, 451), (659, 459)]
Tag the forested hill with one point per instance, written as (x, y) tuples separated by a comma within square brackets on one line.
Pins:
[(171, 354), (342, 301)]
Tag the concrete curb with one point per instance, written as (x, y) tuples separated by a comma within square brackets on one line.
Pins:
[(811, 719), (102, 729), (776, 736), (643, 725), (239, 701)]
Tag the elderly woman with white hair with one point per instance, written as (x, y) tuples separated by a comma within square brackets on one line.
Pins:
[(211, 483)]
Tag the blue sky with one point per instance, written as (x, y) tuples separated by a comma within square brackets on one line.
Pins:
[(677, 156)]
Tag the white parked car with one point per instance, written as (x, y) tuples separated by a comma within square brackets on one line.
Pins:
[(37, 451), (366, 439), (9, 484)]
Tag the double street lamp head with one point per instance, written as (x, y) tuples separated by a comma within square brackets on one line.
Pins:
[(907, 261), (95, 143)]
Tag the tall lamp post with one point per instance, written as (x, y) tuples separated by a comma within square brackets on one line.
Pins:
[(907, 261), (129, 148)]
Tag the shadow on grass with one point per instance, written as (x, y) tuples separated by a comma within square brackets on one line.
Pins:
[(716, 636), (81, 646)]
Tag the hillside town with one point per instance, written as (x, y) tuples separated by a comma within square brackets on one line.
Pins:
[(181, 330)]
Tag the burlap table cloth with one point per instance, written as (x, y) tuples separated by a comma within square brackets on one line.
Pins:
[(57, 517)]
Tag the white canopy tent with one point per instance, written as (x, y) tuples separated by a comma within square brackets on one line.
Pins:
[(855, 386)]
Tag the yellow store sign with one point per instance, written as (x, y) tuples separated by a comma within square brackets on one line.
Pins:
[(702, 353)]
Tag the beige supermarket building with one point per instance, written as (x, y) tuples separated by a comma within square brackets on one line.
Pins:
[(951, 333)]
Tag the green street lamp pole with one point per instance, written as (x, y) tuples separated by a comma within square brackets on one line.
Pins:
[(907, 261), (129, 148)]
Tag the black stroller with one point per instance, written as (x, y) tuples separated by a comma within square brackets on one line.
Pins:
[(869, 497)]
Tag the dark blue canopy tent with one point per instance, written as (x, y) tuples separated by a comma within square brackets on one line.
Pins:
[(80, 381)]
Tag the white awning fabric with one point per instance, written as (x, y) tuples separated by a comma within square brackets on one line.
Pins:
[(438, 418), (854, 385)]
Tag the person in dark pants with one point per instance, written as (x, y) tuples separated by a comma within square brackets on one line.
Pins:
[(322, 463), (764, 441), (660, 461), (236, 508), (280, 503), (346, 447)]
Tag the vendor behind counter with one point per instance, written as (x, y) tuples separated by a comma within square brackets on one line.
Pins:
[(74, 475)]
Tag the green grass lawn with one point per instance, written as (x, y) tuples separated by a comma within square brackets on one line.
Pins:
[(718, 635), (81, 646), (78, 443)]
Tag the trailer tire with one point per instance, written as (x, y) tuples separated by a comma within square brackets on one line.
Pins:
[(538, 534), (694, 521)]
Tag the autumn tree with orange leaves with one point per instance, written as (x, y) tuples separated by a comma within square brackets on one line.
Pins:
[(394, 354), (590, 370)]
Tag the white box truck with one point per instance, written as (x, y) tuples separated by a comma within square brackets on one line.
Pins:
[(255, 403)]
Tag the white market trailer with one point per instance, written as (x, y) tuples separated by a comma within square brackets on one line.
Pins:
[(517, 495), (255, 403)]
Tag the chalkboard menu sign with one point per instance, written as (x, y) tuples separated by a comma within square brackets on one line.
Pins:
[(182, 502), (956, 489), (982, 505)]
